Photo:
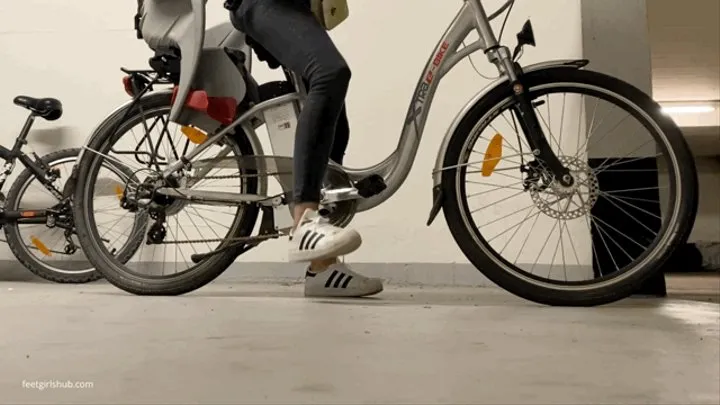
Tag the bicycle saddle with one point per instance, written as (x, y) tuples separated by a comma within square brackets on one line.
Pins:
[(47, 108)]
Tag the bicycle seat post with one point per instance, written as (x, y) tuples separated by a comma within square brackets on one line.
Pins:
[(22, 137)]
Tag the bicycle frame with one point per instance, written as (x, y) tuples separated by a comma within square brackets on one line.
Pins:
[(11, 156), (446, 54)]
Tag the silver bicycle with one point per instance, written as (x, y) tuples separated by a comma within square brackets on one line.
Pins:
[(525, 156)]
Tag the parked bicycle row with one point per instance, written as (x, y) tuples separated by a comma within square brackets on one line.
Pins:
[(172, 187)]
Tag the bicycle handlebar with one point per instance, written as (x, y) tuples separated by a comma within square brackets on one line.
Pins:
[(504, 7)]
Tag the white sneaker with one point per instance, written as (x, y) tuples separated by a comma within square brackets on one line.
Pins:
[(317, 239), (340, 281)]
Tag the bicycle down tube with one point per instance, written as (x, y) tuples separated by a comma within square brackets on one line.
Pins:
[(395, 168), (448, 52)]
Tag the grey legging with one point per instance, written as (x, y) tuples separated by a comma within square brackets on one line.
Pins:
[(288, 30)]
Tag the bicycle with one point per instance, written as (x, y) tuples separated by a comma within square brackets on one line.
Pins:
[(18, 213), (220, 113)]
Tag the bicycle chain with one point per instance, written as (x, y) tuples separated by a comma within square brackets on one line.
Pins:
[(233, 176), (228, 176), (245, 239)]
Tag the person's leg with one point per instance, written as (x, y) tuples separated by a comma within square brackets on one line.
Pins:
[(288, 30), (342, 138)]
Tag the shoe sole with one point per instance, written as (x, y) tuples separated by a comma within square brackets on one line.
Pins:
[(347, 243), (341, 295)]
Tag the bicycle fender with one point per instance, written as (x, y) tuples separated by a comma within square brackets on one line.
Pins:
[(502, 81), (120, 110)]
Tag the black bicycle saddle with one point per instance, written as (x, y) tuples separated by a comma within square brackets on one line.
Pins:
[(47, 108)]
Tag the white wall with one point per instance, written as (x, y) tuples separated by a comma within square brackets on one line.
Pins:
[(72, 49)]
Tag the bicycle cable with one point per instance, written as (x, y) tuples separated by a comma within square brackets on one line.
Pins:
[(509, 6), (507, 16)]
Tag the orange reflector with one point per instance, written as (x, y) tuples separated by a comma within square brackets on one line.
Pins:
[(40, 246), (119, 192), (194, 135), (493, 154)]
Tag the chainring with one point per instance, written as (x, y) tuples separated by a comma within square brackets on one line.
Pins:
[(339, 213)]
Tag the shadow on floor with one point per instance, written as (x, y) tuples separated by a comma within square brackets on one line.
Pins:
[(700, 287)]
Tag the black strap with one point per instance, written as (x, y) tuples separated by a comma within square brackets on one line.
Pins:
[(232, 5), (138, 17)]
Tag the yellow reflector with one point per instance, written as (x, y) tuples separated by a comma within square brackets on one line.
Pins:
[(194, 135), (493, 154), (40, 246), (119, 192)]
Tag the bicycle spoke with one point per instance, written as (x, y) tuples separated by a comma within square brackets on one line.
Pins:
[(609, 196), (508, 227), (517, 228), (496, 202)]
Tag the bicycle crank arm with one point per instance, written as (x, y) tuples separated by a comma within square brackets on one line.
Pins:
[(240, 247)]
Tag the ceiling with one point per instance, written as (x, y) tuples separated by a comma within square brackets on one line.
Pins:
[(685, 43)]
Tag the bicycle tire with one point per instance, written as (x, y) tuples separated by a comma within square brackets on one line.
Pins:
[(495, 268), (17, 246), (113, 271), (14, 239)]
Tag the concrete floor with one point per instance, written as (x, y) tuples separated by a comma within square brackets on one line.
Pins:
[(259, 344)]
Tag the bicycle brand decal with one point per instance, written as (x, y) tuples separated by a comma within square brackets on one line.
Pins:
[(418, 101)]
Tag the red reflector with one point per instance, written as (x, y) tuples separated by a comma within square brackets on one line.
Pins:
[(221, 109), (127, 84)]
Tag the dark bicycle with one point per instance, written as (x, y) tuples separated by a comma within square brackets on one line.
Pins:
[(37, 212)]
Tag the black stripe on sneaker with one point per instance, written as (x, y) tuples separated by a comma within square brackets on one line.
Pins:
[(318, 239), (330, 279), (347, 281), (310, 241), (339, 280), (302, 241)]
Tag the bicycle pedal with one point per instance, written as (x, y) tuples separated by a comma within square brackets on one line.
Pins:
[(339, 194), (371, 186)]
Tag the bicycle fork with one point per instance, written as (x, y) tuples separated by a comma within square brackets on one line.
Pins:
[(527, 116)]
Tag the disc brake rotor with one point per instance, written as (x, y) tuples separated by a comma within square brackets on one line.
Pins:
[(572, 202)]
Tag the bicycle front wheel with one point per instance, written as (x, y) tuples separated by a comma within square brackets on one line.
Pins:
[(633, 202)]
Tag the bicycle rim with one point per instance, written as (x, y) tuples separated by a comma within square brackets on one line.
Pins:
[(652, 251), (179, 255)]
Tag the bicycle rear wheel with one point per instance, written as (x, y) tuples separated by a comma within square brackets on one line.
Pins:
[(52, 252), (144, 141), (620, 236)]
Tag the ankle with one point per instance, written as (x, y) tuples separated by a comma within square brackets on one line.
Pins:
[(299, 211), (319, 266)]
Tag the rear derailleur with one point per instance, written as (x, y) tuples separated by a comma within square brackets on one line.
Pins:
[(143, 197), (61, 216), (157, 232)]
